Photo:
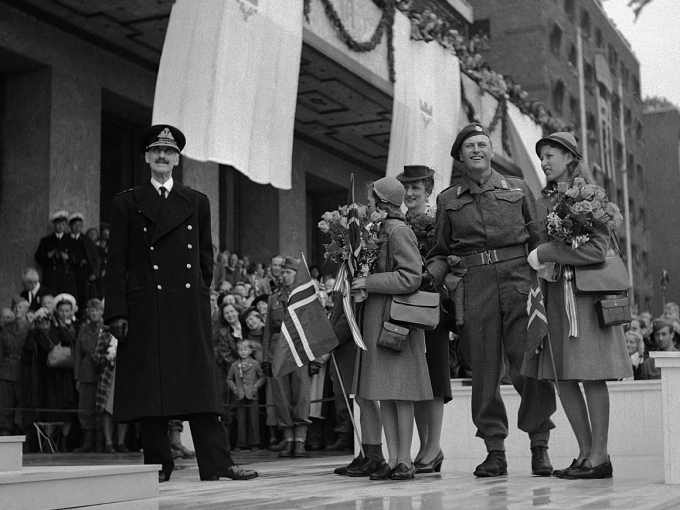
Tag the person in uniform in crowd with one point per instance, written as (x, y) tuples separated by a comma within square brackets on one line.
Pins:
[(290, 392), (274, 276), (55, 255), (12, 340), (86, 261), (662, 333), (33, 290), (486, 222), (158, 307)]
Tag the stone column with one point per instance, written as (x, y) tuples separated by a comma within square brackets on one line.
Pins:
[(669, 363)]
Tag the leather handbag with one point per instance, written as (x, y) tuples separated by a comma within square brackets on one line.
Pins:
[(417, 310), (608, 277), (393, 337), (60, 356), (613, 312)]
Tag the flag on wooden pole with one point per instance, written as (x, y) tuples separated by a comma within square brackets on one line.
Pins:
[(538, 335), (306, 332)]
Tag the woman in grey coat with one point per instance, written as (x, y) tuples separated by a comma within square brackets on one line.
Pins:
[(396, 379), (594, 354)]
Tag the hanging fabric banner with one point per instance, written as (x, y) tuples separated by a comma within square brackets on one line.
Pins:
[(228, 79), (524, 133), (427, 105)]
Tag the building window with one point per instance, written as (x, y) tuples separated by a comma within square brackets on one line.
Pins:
[(481, 27), (625, 76), (572, 56), (631, 211), (616, 108), (636, 87), (558, 97), (585, 23), (574, 107), (619, 198), (570, 9), (627, 118), (556, 40), (638, 130), (588, 74), (642, 218), (618, 154), (598, 37), (630, 166), (613, 59), (640, 177)]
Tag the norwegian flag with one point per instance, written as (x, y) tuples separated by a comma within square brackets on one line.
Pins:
[(537, 327), (354, 235), (306, 332)]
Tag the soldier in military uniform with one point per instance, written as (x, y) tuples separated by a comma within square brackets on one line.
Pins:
[(291, 391), (55, 255), (158, 307), (485, 224)]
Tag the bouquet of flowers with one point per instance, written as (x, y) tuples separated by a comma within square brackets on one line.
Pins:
[(577, 210), (423, 225), (365, 253)]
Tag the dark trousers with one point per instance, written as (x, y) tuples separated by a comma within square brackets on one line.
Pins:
[(210, 442), (248, 417), (496, 321)]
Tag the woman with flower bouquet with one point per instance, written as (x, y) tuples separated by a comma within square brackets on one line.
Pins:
[(418, 182), (576, 222), (396, 379)]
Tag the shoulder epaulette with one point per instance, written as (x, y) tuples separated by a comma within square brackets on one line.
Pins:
[(452, 186), (123, 192)]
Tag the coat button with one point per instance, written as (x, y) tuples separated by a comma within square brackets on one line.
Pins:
[(144, 229), (151, 248), (188, 285), (189, 246), (159, 287), (188, 266), (189, 227), (155, 267)]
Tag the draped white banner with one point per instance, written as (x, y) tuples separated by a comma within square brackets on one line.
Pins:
[(524, 133), (426, 105), (228, 79)]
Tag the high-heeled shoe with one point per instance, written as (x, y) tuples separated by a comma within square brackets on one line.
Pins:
[(434, 466), (384, 473), (603, 470), (402, 472), (575, 464)]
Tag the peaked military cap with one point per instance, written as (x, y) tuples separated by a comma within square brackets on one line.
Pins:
[(162, 135)]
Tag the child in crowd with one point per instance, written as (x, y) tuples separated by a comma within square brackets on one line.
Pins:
[(245, 379), (636, 350)]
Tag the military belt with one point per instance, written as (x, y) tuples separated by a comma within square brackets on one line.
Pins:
[(493, 256)]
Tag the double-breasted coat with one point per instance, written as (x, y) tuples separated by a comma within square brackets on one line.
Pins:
[(58, 273), (158, 278)]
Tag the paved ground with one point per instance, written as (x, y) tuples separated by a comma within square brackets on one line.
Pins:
[(310, 484)]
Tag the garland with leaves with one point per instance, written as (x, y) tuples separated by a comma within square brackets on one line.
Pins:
[(384, 26)]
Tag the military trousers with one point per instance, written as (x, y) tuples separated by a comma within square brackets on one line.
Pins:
[(291, 398), (496, 326)]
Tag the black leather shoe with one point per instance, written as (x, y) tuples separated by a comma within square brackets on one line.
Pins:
[(339, 445), (585, 471), (342, 471), (401, 472), (560, 473), (540, 462), (288, 449), (435, 466), (233, 472), (494, 465), (384, 473), (366, 468)]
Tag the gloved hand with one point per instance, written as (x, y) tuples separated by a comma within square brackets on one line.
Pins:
[(314, 368), (533, 260), (119, 329), (427, 282), (266, 368)]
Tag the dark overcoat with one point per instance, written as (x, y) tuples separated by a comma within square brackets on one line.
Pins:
[(158, 278)]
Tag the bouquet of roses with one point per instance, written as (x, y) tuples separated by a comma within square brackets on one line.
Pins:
[(423, 225), (336, 224), (578, 209)]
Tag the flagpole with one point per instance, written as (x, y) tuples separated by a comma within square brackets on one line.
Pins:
[(349, 408)]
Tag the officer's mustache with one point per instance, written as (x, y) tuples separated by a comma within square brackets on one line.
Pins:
[(162, 160)]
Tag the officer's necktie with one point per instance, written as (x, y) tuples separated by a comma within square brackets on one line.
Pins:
[(163, 191)]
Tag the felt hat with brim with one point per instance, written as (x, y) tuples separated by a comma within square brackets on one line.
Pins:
[(291, 263), (59, 216), (561, 138), (162, 135), (389, 190), (76, 216), (473, 129), (415, 173)]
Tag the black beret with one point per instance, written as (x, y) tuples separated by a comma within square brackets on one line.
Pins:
[(162, 135), (470, 130)]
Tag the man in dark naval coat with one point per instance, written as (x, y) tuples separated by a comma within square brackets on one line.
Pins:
[(55, 255), (158, 306)]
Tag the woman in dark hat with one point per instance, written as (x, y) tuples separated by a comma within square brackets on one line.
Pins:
[(418, 182), (593, 354)]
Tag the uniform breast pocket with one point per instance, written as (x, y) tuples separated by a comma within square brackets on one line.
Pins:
[(510, 204), (462, 214)]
